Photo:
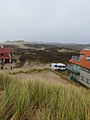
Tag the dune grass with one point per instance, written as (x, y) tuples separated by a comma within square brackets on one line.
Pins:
[(30, 71), (35, 100)]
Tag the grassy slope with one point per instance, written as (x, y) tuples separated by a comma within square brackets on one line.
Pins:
[(39, 101)]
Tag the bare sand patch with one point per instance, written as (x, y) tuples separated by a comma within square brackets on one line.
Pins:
[(44, 76), (65, 50)]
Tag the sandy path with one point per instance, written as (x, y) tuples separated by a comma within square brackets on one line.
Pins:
[(47, 76)]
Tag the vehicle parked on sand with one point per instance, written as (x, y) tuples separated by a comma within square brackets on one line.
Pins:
[(58, 66)]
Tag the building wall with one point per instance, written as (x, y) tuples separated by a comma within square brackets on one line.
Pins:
[(85, 78)]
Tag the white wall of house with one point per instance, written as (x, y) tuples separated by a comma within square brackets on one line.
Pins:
[(85, 78)]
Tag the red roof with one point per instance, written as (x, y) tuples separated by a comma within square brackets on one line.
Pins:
[(83, 62), (5, 50), (4, 57)]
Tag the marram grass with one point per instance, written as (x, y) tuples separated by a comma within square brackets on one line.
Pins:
[(39, 101)]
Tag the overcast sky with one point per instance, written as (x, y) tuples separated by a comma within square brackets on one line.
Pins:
[(61, 21)]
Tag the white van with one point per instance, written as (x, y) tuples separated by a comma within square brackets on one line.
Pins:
[(58, 66)]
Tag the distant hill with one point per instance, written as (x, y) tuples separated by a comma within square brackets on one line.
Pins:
[(72, 46), (16, 41)]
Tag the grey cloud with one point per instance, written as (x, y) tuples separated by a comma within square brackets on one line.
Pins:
[(45, 20)]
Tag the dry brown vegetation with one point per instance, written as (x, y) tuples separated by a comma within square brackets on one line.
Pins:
[(41, 53)]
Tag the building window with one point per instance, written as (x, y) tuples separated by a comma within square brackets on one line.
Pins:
[(88, 81), (85, 69), (88, 58), (82, 78), (1, 54), (81, 56)]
